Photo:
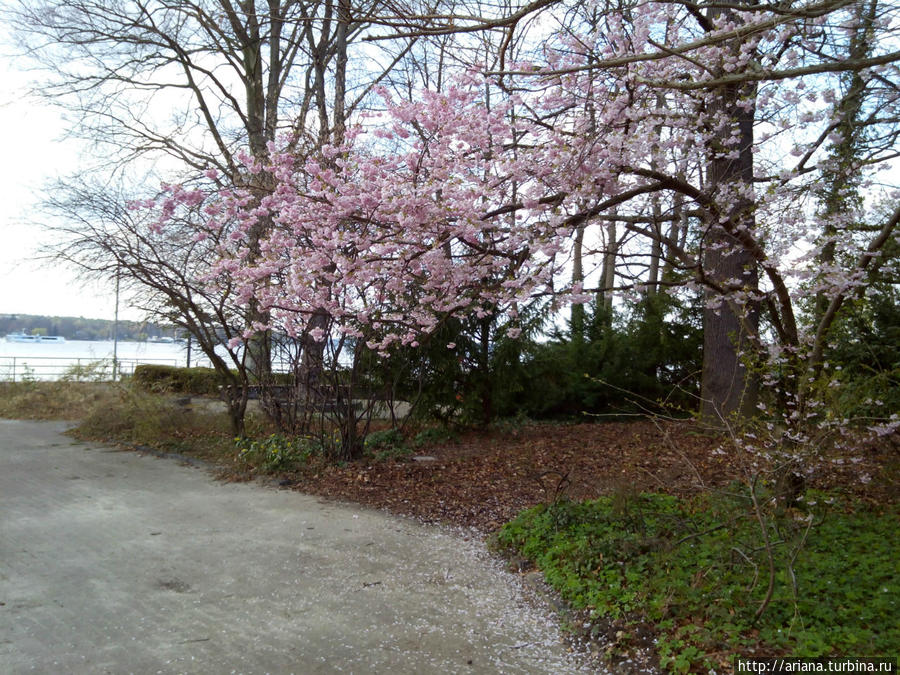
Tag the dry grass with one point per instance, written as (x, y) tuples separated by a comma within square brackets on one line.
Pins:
[(54, 400), (162, 421), (121, 413)]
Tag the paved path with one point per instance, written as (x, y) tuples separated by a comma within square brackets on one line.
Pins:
[(114, 562)]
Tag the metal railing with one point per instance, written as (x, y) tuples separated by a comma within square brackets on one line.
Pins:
[(48, 368)]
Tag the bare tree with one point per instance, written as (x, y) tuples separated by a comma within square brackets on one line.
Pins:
[(168, 274), (196, 81)]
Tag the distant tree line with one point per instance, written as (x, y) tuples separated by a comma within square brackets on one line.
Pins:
[(79, 328)]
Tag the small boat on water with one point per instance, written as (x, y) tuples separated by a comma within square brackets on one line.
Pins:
[(21, 337), (25, 337)]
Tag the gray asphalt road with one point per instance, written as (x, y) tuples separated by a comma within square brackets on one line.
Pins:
[(113, 562)]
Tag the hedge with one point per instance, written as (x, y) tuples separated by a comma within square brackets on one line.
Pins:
[(159, 378)]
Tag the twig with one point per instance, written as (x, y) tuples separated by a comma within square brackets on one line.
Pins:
[(700, 534), (790, 565), (755, 567), (668, 439), (769, 555)]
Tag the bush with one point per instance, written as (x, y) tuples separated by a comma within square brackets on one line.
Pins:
[(648, 357), (276, 452), (176, 380), (434, 436), (864, 345), (386, 444), (93, 371), (466, 372)]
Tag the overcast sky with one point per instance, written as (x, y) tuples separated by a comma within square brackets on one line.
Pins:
[(33, 154)]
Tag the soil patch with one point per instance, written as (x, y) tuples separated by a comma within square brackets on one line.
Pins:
[(484, 478)]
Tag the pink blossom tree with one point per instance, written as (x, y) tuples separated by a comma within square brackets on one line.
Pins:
[(720, 118)]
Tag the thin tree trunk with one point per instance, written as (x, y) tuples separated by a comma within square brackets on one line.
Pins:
[(484, 376), (608, 273), (840, 189), (313, 356), (577, 319), (656, 249)]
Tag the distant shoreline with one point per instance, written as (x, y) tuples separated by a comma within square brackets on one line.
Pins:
[(79, 328)]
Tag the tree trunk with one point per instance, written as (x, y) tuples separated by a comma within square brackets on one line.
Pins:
[(728, 388), (577, 320), (608, 273), (313, 358), (729, 328), (840, 189), (485, 379), (261, 122), (656, 248)]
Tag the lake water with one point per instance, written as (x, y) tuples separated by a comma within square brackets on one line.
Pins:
[(51, 360)]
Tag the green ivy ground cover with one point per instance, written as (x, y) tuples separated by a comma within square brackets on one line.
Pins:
[(698, 571)]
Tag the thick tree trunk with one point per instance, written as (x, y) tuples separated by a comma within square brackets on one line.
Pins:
[(261, 96), (310, 377), (730, 321), (728, 388)]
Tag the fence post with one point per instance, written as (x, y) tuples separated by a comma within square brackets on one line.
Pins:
[(14, 370)]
